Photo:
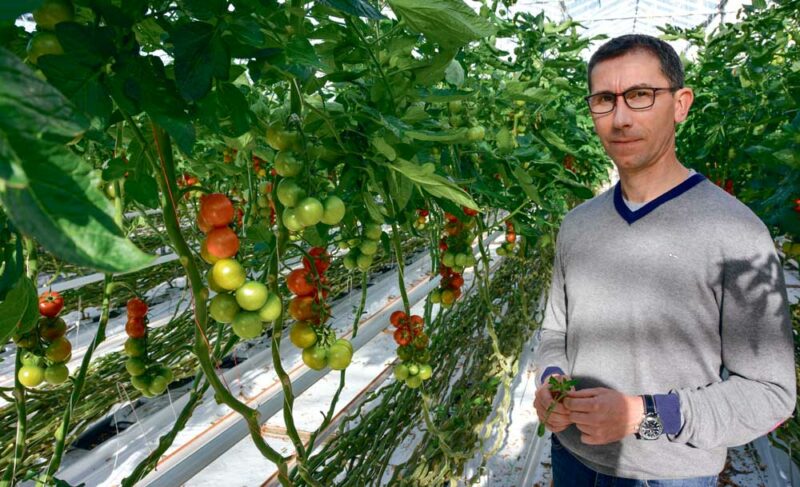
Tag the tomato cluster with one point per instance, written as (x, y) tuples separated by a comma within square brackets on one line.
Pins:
[(259, 166), (45, 350), (456, 251), (147, 376), (412, 349), (215, 216), (301, 210), (422, 219), (362, 250), (310, 332), (507, 247)]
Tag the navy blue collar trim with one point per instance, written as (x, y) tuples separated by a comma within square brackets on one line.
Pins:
[(631, 216)]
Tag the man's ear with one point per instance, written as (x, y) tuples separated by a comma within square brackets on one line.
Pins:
[(683, 101)]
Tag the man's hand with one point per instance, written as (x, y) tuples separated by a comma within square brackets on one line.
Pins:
[(603, 415), (559, 417)]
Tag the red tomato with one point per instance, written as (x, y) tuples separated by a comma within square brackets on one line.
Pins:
[(470, 211), (456, 281), (450, 217), (222, 243), (443, 245), (136, 308), (423, 212), (50, 304), (135, 327), (216, 209), (322, 259), (202, 224), (511, 237), (397, 317), (301, 282), (402, 336)]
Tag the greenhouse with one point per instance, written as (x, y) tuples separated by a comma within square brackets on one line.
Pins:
[(418, 243)]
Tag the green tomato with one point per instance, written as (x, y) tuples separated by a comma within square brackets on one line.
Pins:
[(474, 134), (401, 372), (302, 335), (53, 12), (339, 356), (30, 375), (350, 262), (461, 260), (373, 231), (141, 382), (291, 221), (309, 211), (271, 309), (425, 372), (228, 274), (413, 369), (405, 352), (26, 340), (368, 247), (158, 385), (252, 295), (422, 356), (135, 366), (364, 262), (135, 347), (436, 296), (287, 165), (343, 342), (449, 259), (223, 308), (30, 358), (414, 381), (455, 106), (289, 192), (280, 139), (333, 210), (56, 374), (315, 357), (212, 284), (58, 350), (247, 325), (43, 44)]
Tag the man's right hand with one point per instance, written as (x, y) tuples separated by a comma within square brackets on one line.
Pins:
[(559, 418)]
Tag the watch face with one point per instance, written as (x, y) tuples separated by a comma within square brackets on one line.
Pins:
[(651, 428)]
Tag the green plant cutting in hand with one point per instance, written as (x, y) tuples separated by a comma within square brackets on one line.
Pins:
[(559, 389)]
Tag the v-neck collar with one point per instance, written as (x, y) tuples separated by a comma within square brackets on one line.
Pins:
[(631, 216)]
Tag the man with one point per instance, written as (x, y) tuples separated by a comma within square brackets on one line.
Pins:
[(658, 285)]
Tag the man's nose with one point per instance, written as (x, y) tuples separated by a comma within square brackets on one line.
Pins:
[(622, 114)]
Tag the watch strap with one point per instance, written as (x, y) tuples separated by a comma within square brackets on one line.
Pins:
[(649, 404)]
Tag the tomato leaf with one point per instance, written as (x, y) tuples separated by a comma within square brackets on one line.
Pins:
[(450, 23), (20, 310), (432, 183), (300, 51), (357, 8), (454, 136), (384, 148), (199, 56), (577, 188)]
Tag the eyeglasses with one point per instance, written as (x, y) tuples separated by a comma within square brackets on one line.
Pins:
[(635, 98)]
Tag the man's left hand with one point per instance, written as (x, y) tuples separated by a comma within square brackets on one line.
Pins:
[(604, 415)]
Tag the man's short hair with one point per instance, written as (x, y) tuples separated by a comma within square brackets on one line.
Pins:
[(671, 64)]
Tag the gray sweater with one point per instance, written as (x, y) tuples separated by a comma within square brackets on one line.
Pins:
[(659, 301)]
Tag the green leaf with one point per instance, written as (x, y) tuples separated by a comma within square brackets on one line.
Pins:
[(384, 148), (357, 8), (450, 23), (20, 310), (442, 96), (375, 211), (453, 136), (204, 9), (227, 111), (199, 56), (300, 51), (554, 139), (454, 74), (432, 183), (526, 183), (578, 189), (40, 111)]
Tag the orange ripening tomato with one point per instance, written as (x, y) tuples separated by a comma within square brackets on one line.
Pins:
[(403, 336), (216, 209), (397, 317), (300, 282), (135, 327), (222, 243), (136, 308)]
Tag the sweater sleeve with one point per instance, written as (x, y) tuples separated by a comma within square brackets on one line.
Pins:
[(550, 354), (757, 350)]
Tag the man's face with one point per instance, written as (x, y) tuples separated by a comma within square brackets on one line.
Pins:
[(636, 139)]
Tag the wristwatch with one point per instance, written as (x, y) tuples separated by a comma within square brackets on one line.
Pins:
[(651, 427)]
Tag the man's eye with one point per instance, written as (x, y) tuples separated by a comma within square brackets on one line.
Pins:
[(637, 94), (605, 98)]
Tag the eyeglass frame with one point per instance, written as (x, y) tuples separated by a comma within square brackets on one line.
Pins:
[(617, 95)]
